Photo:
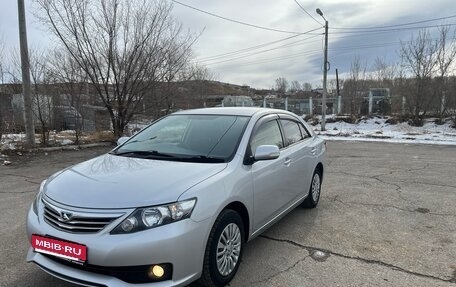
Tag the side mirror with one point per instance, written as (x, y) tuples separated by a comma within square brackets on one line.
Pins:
[(121, 140), (266, 152)]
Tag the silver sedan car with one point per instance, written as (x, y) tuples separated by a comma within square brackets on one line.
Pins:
[(176, 202)]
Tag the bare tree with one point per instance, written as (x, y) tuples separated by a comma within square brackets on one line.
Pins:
[(295, 87), (2, 49), (355, 87), (122, 46), (42, 100), (200, 75), (72, 87), (419, 57), (176, 63), (384, 72), (445, 57), (281, 85), (199, 72), (307, 87), (2, 59)]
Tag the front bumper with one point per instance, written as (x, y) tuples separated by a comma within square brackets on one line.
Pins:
[(181, 243)]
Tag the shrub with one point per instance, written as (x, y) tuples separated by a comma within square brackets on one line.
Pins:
[(348, 120)]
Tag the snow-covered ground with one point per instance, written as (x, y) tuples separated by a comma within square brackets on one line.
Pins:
[(15, 141), (376, 129)]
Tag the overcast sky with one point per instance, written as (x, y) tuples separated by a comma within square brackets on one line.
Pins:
[(299, 58)]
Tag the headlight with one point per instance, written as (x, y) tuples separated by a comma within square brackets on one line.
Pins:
[(150, 217), (38, 197)]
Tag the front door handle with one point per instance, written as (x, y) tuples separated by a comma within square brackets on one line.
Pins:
[(287, 161), (313, 150)]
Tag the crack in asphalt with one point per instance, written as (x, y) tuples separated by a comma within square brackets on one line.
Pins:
[(365, 260), (453, 280), (280, 272), (376, 177), (18, 175), (31, 181), (427, 183), (418, 210), (17, 192), (398, 188), (28, 179)]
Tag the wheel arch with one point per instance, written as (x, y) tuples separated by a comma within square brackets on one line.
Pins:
[(319, 169), (241, 209)]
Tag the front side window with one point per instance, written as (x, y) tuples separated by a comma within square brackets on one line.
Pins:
[(267, 134), (211, 138)]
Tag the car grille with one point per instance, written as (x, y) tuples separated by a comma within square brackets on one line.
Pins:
[(76, 222)]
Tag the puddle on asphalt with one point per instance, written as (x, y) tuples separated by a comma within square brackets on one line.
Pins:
[(319, 255)]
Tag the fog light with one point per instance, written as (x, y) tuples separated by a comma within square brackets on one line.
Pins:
[(156, 271)]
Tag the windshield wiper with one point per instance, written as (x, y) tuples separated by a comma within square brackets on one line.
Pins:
[(144, 153), (140, 141), (205, 159), (159, 155)]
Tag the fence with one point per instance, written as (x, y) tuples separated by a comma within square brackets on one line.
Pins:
[(360, 105)]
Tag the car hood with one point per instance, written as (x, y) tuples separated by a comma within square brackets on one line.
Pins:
[(110, 181)]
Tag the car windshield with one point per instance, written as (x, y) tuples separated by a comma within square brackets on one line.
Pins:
[(199, 138)]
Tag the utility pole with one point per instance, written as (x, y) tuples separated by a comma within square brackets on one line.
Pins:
[(26, 90), (339, 100), (325, 74)]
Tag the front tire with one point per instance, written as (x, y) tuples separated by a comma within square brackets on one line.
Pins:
[(312, 199), (223, 250)]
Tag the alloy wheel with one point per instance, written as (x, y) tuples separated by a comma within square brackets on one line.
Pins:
[(228, 249)]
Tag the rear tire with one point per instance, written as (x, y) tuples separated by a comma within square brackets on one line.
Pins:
[(312, 199), (223, 250)]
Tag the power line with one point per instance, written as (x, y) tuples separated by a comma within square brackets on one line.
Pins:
[(308, 13), (373, 45), (396, 25), (390, 30), (262, 61), (249, 48), (310, 53), (259, 52), (236, 21), (233, 53)]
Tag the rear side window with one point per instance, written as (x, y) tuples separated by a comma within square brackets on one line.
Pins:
[(304, 132), (267, 134), (292, 131)]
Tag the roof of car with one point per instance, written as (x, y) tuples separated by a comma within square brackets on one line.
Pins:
[(238, 111)]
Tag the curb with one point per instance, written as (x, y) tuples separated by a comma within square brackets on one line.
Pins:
[(72, 147), (58, 148)]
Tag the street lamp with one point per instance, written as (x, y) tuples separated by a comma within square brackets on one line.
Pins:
[(325, 73)]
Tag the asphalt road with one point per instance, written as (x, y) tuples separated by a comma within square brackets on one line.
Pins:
[(387, 217)]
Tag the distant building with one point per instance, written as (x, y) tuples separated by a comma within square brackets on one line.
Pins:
[(237, 101)]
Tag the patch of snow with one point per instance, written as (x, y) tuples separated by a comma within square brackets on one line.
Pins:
[(70, 132), (376, 129), (66, 142)]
